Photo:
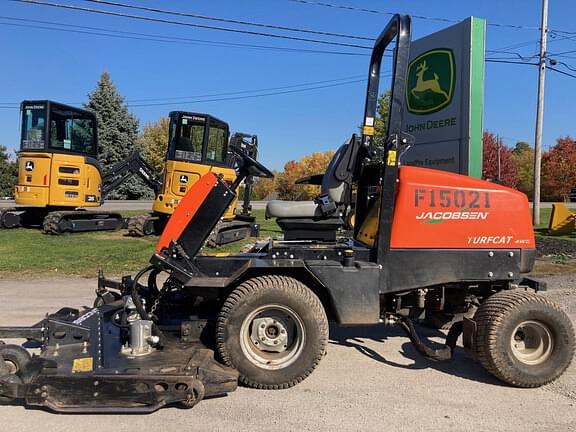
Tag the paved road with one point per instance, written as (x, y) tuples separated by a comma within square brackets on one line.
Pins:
[(131, 205), (371, 380)]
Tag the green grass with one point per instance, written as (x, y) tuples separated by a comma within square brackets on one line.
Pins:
[(544, 218), (542, 229), (28, 252)]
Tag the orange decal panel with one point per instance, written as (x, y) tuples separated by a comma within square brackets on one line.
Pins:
[(437, 209), (186, 210)]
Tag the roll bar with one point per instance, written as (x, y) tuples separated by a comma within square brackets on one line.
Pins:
[(398, 28)]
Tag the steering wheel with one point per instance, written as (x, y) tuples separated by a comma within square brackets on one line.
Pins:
[(251, 165)]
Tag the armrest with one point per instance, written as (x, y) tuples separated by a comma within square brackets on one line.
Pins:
[(311, 180)]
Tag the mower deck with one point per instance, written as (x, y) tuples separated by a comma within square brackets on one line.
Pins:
[(85, 367)]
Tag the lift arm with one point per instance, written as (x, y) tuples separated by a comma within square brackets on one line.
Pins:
[(121, 171), (249, 145)]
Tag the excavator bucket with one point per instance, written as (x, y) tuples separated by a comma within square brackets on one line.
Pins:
[(562, 220)]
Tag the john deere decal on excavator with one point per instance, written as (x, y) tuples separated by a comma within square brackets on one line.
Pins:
[(144, 346)]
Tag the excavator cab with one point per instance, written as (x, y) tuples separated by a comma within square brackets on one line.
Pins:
[(197, 144), (58, 157)]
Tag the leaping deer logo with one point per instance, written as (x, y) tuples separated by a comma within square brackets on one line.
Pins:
[(430, 84)]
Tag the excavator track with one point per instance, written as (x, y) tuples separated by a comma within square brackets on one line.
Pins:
[(4, 222), (60, 222), (142, 225), (229, 231)]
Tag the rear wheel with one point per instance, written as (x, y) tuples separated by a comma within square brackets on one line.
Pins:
[(273, 330), (523, 338)]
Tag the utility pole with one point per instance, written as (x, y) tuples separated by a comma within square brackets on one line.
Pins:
[(499, 147), (540, 113)]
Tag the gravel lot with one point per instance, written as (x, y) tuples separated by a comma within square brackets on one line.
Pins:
[(371, 380)]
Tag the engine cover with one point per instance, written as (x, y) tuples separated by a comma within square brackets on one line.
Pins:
[(440, 210)]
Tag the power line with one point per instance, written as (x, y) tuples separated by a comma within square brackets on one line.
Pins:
[(249, 96), (188, 24), (567, 66), (562, 53), (518, 45), (562, 36), (505, 61), (96, 31), (336, 80), (38, 2), (267, 92), (227, 20), (359, 9), (561, 72), (565, 32), (518, 55), (422, 17)]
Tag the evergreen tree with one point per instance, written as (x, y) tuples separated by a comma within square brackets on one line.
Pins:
[(8, 173), (117, 135)]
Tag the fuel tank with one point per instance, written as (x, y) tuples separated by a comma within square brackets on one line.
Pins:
[(440, 210)]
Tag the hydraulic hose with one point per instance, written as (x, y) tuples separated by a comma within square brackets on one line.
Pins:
[(136, 297), (140, 307), (442, 354)]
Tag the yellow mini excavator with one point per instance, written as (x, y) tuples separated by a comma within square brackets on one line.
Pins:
[(199, 144), (59, 174)]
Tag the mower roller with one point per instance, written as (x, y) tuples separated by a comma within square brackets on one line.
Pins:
[(425, 242)]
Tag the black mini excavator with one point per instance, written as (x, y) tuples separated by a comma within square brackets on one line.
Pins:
[(424, 241)]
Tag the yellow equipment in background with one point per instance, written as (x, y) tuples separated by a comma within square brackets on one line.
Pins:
[(58, 170), (198, 144), (562, 220), (59, 174)]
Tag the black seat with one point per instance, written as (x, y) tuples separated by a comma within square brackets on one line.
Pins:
[(320, 219)]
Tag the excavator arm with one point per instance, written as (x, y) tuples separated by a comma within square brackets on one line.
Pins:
[(249, 145), (121, 171)]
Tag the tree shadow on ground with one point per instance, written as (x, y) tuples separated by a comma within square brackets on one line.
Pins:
[(459, 366)]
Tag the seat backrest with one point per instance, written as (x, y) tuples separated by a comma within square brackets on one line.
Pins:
[(337, 179), (335, 188)]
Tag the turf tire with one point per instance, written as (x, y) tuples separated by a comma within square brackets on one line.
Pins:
[(257, 293), (499, 317)]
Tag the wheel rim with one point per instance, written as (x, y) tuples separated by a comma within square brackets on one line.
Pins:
[(532, 342), (12, 367), (272, 337)]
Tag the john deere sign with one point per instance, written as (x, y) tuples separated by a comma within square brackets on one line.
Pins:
[(445, 99), (430, 81)]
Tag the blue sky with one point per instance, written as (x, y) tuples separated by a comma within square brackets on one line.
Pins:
[(64, 66)]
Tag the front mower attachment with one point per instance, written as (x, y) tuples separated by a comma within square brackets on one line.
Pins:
[(98, 362)]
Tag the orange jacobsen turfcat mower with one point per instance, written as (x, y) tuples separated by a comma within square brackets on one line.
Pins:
[(425, 242)]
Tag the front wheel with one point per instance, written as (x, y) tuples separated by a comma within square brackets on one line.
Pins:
[(273, 330), (523, 338)]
